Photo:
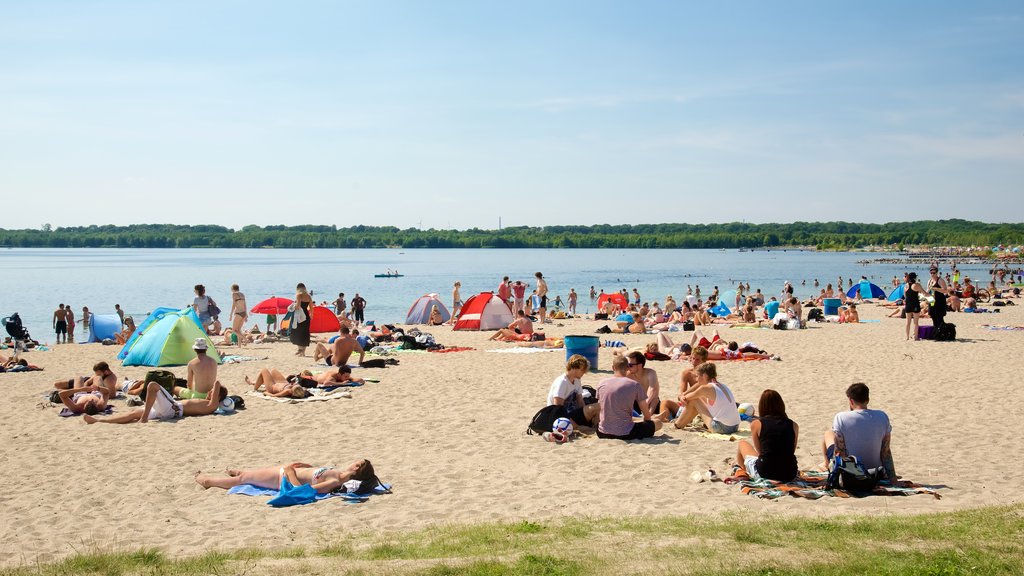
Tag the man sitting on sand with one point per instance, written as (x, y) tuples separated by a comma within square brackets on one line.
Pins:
[(687, 382), (101, 378), (567, 390), (339, 353), (160, 405), (616, 397), (201, 374), (849, 315), (646, 377), (521, 329), (712, 401), (861, 432)]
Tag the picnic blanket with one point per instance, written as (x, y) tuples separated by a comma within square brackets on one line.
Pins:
[(250, 490), (810, 484), (317, 395)]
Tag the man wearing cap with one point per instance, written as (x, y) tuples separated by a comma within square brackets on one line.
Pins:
[(202, 373)]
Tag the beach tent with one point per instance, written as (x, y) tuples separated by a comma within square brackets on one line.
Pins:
[(103, 327), (323, 320), (898, 293), (166, 340), (484, 311), (721, 310), (419, 312), (866, 289), (153, 317), (616, 298)]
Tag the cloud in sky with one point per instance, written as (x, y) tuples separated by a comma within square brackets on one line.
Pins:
[(575, 113)]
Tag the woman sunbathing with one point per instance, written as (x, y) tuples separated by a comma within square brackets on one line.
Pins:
[(276, 384), (324, 479)]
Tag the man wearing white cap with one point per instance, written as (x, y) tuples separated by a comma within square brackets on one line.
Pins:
[(202, 373)]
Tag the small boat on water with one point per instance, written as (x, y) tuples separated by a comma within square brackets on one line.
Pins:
[(389, 275)]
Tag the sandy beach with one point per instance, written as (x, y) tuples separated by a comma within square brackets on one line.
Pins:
[(448, 432)]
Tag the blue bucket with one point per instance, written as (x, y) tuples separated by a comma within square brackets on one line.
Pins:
[(831, 306), (586, 346)]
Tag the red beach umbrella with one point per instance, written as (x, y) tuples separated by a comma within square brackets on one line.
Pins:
[(272, 306)]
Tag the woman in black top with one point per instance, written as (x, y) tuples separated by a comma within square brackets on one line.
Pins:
[(912, 302), (771, 451), (299, 334)]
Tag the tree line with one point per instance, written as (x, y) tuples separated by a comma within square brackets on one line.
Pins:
[(822, 235)]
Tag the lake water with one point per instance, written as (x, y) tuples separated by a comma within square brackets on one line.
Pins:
[(34, 281)]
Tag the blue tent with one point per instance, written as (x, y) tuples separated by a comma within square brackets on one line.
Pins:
[(167, 340), (720, 311), (153, 317), (103, 327), (867, 290), (898, 293)]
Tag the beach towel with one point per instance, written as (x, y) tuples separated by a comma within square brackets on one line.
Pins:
[(250, 490), (66, 412), (234, 359), (614, 344), (453, 349), (734, 437), (810, 484), (1002, 327), (318, 395)]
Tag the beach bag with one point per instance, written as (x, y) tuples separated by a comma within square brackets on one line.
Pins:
[(945, 332), (847, 473), (211, 307), (688, 326), (815, 315), (545, 418), (589, 395), (164, 378)]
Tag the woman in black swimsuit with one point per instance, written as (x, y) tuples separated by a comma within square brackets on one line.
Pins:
[(912, 303), (299, 334)]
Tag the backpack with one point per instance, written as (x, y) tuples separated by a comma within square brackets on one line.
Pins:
[(589, 395), (815, 315), (688, 326), (545, 418), (945, 332), (848, 473), (164, 378)]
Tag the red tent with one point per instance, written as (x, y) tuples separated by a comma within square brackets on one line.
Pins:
[(323, 320), (484, 311), (616, 298)]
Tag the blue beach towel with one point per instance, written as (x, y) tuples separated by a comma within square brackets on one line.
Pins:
[(250, 490)]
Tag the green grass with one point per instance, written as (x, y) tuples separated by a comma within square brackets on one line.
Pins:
[(980, 541)]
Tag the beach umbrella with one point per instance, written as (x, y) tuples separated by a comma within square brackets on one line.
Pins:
[(273, 305)]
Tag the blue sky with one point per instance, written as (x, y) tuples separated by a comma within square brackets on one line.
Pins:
[(451, 114)]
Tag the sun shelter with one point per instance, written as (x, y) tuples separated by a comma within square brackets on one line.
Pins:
[(419, 312), (166, 340), (867, 290), (323, 320), (898, 293), (484, 311), (153, 317), (720, 311), (617, 298), (103, 327)]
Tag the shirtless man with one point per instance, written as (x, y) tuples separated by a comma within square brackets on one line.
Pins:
[(520, 329), (339, 377), (160, 405), (60, 324), (687, 381), (456, 300), (102, 379), (542, 292), (201, 373), (338, 354), (647, 377), (850, 315)]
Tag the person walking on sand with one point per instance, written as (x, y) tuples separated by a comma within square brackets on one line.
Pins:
[(912, 303), (456, 300), (239, 310), (299, 333), (60, 324), (542, 293)]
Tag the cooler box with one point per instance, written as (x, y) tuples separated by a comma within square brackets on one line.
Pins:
[(831, 306), (586, 346)]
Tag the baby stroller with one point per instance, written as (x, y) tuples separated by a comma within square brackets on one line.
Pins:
[(17, 331)]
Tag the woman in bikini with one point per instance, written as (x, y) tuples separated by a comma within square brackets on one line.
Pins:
[(239, 310), (89, 400), (324, 479), (277, 384)]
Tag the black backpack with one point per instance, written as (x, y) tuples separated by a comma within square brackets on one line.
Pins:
[(847, 473), (545, 418), (815, 315), (945, 332)]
